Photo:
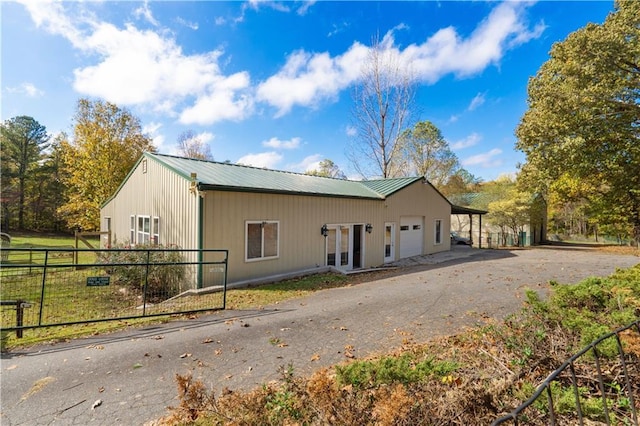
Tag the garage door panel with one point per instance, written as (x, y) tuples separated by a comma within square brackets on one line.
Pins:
[(411, 236)]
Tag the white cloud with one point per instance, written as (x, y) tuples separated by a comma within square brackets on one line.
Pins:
[(51, 16), (467, 142), (193, 25), (145, 12), (446, 52), (220, 20), (224, 99), (477, 101), (143, 67), (453, 119), (311, 162), (152, 130), (28, 89), (308, 79), (306, 5), (276, 143), (205, 137), (268, 160), (351, 131), (485, 160)]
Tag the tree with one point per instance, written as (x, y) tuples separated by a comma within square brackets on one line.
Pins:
[(191, 145), (22, 140), (107, 142), (47, 189), (512, 213), (584, 115), (427, 154), (461, 182), (327, 168), (383, 102)]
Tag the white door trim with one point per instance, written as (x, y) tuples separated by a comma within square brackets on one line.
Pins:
[(390, 242)]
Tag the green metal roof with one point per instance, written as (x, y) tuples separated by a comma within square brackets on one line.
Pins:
[(386, 187), (233, 177)]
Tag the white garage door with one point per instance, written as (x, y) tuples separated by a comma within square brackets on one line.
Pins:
[(411, 236)]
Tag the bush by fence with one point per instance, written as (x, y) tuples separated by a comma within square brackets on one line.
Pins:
[(161, 277)]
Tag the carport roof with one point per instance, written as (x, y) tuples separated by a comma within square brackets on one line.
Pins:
[(212, 175), (466, 210)]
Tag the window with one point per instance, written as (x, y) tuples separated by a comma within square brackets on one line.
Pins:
[(143, 230), (107, 223), (404, 227), (438, 231), (261, 240), (132, 230), (155, 231), (416, 227)]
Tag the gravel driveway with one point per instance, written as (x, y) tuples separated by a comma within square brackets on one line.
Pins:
[(132, 373)]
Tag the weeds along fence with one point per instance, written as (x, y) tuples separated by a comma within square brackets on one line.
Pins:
[(48, 287), (598, 385)]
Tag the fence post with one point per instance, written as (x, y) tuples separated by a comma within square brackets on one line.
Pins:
[(146, 284), (44, 280)]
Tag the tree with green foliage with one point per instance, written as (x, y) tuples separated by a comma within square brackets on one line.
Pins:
[(22, 142), (327, 168), (461, 182), (511, 213), (47, 189), (107, 142), (427, 153), (584, 116)]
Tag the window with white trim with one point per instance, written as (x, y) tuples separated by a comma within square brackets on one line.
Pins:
[(132, 230), (261, 240), (155, 231), (438, 231), (144, 234)]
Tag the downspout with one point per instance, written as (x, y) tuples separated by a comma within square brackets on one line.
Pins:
[(200, 237)]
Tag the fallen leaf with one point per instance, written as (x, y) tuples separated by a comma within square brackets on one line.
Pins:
[(343, 328), (185, 355), (217, 351), (101, 389), (96, 404), (315, 357), (12, 367), (137, 365), (207, 341), (282, 345)]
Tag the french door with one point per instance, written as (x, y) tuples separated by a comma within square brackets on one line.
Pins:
[(345, 246)]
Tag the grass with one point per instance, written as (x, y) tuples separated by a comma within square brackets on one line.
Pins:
[(68, 299)]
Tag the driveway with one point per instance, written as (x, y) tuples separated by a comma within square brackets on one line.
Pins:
[(132, 373)]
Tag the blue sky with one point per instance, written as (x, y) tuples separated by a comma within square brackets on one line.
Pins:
[(269, 83)]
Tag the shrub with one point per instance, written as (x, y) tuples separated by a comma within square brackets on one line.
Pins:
[(163, 275)]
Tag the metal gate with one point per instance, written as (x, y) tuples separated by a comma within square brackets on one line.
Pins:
[(50, 287)]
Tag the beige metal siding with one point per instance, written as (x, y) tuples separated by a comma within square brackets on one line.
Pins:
[(157, 193), (301, 246), (420, 199)]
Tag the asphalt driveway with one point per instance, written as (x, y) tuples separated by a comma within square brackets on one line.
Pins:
[(132, 373)]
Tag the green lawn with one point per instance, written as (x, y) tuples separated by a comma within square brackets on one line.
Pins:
[(67, 298)]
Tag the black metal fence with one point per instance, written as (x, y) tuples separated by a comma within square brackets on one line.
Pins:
[(572, 394), (48, 287)]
